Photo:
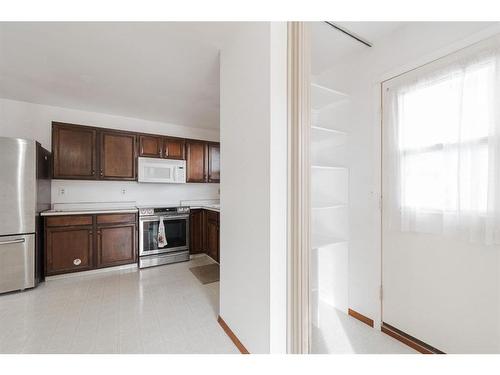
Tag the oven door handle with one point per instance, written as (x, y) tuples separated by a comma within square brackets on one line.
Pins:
[(157, 218)]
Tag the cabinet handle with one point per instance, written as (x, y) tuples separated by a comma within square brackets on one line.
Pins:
[(93, 172), (102, 172), (77, 261)]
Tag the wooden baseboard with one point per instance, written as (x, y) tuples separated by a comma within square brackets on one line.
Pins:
[(411, 341), (361, 317), (232, 336)]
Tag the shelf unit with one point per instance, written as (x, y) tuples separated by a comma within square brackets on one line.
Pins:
[(329, 199), (322, 96), (322, 129), (321, 240)]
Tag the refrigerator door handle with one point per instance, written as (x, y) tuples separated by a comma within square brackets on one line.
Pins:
[(21, 240)]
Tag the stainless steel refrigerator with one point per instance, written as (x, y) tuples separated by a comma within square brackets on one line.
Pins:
[(24, 193)]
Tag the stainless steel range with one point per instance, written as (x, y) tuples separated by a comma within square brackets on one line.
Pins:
[(163, 235)]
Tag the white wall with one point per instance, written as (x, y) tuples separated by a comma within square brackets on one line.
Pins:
[(253, 186), (360, 76), (33, 121)]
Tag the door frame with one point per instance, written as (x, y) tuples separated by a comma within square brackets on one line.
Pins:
[(299, 201)]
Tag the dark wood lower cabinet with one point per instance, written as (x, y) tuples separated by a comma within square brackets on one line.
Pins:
[(204, 233), (196, 231), (84, 242), (212, 238), (68, 249), (116, 245)]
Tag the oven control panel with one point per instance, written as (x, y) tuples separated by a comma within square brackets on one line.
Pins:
[(146, 211), (163, 211)]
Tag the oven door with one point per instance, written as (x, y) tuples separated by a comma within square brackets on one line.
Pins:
[(176, 233)]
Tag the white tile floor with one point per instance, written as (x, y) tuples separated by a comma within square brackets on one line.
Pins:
[(335, 332), (156, 310)]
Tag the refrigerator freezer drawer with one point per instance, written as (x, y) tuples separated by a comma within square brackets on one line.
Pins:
[(17, 262)]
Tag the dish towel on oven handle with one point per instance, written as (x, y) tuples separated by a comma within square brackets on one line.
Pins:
[(162, 239)]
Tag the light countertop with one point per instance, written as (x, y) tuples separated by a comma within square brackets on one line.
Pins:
[(89, 211), (214, 207), (121, 207)]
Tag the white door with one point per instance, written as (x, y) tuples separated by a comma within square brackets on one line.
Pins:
[(441, 201)]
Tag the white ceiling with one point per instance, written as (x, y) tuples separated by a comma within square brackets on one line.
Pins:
[(330, 45), (166, 72)]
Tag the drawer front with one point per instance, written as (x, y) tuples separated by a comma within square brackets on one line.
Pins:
[(68, 221), (115, 218)]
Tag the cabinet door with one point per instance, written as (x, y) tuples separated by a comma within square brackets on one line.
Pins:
[(218, 238), (74, 151), (118, 161), (116, 245), (212, 235), (212, 240), (196, 231), (213, 162), (68, 249), (196, 161), (173, 148), (150, 146)]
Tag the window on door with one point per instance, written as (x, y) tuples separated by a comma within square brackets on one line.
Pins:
[(444, 142)]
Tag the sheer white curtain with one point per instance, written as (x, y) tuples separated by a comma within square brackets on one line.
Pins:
[(443, 145)]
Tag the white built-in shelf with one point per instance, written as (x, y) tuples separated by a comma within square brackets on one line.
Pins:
[(328, 206), (321, 240), (322, 129), (322, 96), (328, 167)]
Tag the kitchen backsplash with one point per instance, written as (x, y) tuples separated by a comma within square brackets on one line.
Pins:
[(67, 191)]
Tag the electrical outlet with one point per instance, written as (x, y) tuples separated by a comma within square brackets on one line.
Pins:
[(62, 191), (124, 191)]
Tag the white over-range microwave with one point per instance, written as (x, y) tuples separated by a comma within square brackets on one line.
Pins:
[(164, 171)]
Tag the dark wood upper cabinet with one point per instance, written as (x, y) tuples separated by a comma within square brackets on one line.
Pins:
[(196, 162), (161, 147), (150, 146), (118, 156), (202, 161), (213, 162), (88, 153), (74, 152), (173, 148)]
